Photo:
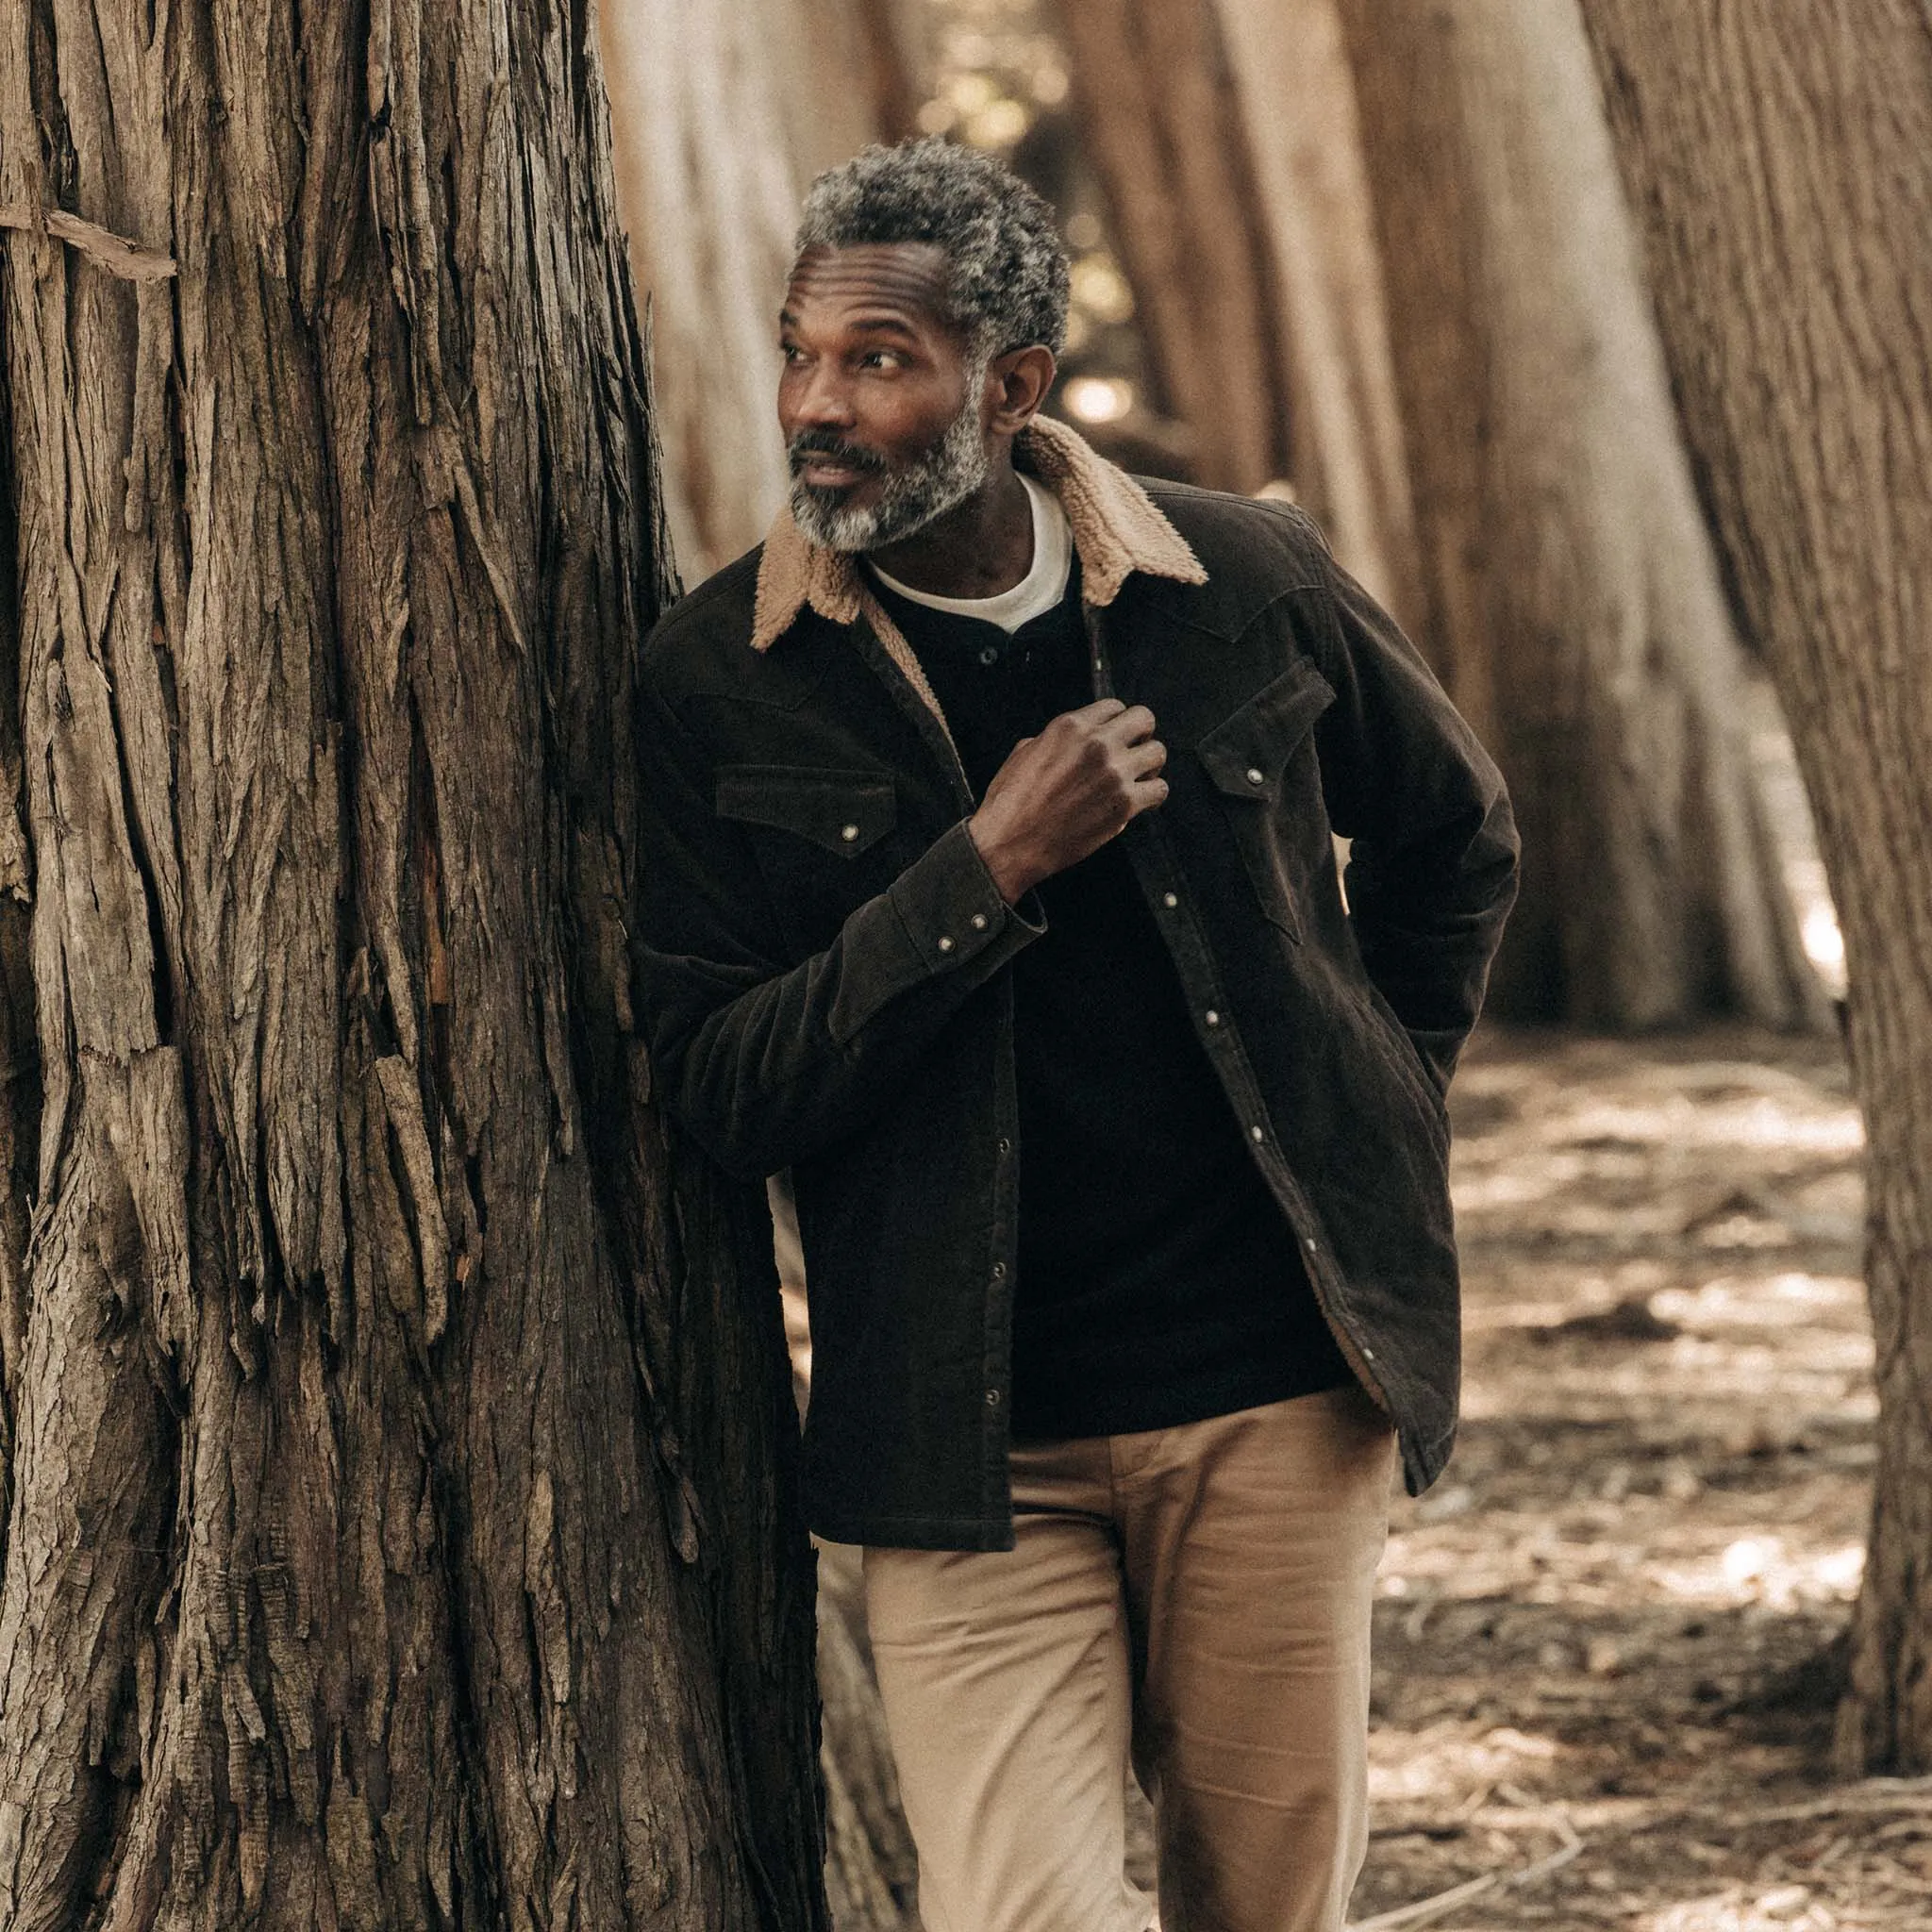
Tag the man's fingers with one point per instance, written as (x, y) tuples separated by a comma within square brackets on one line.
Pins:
[(1132, 723), (1145, 759), (1099, 711)]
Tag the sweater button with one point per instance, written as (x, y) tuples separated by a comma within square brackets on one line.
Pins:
[(990, 655)]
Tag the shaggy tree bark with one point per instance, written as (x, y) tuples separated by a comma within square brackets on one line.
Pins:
[(1784, 170), (1574, 604), (402, 1530)]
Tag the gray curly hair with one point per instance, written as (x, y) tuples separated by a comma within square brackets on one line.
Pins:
[(1009, 283)]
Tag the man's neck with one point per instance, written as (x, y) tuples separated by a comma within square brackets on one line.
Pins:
[(979, 548)]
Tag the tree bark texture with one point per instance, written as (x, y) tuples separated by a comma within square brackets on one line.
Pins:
[(1574, 604), (724, 111), (1783, 170), (401, 1531)]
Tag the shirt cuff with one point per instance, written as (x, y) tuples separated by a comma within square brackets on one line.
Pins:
[(953, 912)]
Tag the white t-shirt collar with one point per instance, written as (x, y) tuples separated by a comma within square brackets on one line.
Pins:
[(1037, 592)]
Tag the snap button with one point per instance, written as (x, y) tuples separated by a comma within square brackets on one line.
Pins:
[(1170, 900), (992, 1398), (1258, 1133), (1256, 776), (1311, 1244), (999, 1271), (990, 655), (1005, 1144), (945, 942), (1213, 1018), (849, 833), (1367, 1354), (979, 922)]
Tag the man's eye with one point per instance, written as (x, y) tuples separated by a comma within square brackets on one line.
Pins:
[(881, 359)]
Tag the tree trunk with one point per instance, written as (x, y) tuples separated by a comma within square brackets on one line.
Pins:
[(1292, 81), (1155, 102), (1223, 135), (1783, 167), (1573, 601), (402, 1530), (715, 145)]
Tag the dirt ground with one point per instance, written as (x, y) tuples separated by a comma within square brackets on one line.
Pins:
[(1599, 1699)]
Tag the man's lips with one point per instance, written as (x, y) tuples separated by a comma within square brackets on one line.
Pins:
[(828, 472)]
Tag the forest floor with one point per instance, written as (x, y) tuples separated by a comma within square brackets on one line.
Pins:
[(1602, 1687)]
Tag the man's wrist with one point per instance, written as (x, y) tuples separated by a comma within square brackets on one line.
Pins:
[(1009, 872)]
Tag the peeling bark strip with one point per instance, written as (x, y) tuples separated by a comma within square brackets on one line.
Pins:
[(104, 249), (402, 1530), (1783, 170)]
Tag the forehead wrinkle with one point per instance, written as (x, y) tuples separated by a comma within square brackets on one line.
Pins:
[(907, 276)]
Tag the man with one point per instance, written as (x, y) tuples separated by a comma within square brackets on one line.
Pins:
[(993, 893)]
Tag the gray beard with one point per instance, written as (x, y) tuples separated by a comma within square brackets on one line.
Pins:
[(949, 472)]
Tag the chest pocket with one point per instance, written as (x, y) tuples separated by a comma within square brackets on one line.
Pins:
[(1262, 762), (822, 839), (845, 813)]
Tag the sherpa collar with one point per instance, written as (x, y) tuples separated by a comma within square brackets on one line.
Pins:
[(1116, 529)]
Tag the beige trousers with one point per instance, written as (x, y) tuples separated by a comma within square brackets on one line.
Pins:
[(1196, 1599)]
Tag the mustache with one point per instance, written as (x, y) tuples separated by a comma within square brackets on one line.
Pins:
[(824, 442)]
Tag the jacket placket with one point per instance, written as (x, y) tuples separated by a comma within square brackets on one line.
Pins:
[(1157, 868)]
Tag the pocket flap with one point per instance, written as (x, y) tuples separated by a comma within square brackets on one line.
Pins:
[(1246, 753), (845, 813)]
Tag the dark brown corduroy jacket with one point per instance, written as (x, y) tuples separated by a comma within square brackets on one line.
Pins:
[(822, 957)]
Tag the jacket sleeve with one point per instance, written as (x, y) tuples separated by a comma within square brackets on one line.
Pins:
[(1432, 862), (766, 1060)]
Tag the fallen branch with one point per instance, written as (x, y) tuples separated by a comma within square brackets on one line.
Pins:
[(102, 246)]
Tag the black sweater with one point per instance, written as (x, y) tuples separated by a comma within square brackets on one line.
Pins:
[(1158, 1282)]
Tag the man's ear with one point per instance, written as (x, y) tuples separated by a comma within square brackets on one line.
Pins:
[(1019, 381)]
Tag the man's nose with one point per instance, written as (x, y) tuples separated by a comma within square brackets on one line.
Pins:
[(820, 399)]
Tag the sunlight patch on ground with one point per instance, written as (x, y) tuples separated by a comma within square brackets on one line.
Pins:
[(1764, 1569), (1780, 1909), (1759, 1301)]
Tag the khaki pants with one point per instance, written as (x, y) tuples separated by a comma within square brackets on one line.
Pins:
[(1197, 1597)]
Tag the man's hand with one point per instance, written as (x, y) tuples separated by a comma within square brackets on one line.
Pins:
[(1064, 795)]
